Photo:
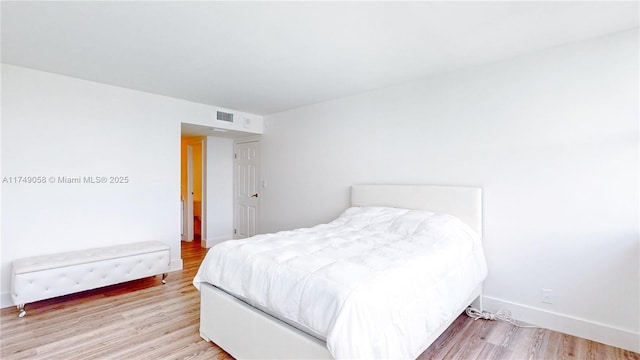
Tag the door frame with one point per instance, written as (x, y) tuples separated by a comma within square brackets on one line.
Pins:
[(260, 186), (188, 235), (189, 213)]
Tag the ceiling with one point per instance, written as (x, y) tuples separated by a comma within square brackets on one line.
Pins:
[(266, 57)]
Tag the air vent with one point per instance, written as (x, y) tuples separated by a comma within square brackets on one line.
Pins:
[(223, 116)]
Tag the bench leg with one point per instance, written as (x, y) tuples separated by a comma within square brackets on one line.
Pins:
[(164, 276), (23, 312)]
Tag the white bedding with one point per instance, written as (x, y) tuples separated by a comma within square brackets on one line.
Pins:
[(374, 283)]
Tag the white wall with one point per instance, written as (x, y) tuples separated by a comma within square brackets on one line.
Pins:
[(219, 190), (56, 126), (551, 137)]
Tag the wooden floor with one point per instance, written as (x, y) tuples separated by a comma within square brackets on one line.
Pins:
[(144, 319)]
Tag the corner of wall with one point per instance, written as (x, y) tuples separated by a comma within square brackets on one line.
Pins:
[(5, 300), (175, 265), (210, 242)]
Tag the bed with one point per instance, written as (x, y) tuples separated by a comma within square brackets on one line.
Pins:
[(375, 306)]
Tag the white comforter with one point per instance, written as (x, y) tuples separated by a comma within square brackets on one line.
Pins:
[(374, 283)]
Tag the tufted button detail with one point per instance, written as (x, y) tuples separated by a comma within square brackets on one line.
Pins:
[(46, 276)]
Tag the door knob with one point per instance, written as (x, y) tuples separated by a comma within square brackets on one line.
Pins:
[(254, 195)]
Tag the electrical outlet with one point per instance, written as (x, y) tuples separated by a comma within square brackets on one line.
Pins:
[(547, 296)]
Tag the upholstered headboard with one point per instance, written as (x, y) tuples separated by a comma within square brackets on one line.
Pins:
[(463, 202)]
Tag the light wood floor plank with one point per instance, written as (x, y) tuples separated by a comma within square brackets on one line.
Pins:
[(144, 319)]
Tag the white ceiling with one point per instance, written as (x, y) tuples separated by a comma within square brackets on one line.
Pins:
[(266, 57)]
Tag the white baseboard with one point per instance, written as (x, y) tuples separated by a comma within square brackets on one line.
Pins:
[(583, 328), (210, 242)]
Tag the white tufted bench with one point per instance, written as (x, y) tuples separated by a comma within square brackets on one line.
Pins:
[(47, 276)]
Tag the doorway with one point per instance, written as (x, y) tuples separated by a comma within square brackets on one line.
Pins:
[(218, 217), (193, 168)]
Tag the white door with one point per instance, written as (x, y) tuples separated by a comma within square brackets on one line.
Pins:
[(247, 196)]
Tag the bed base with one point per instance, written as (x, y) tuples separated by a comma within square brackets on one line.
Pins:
[(249, 333)]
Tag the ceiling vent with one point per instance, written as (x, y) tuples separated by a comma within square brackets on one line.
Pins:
[(223, 116)]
